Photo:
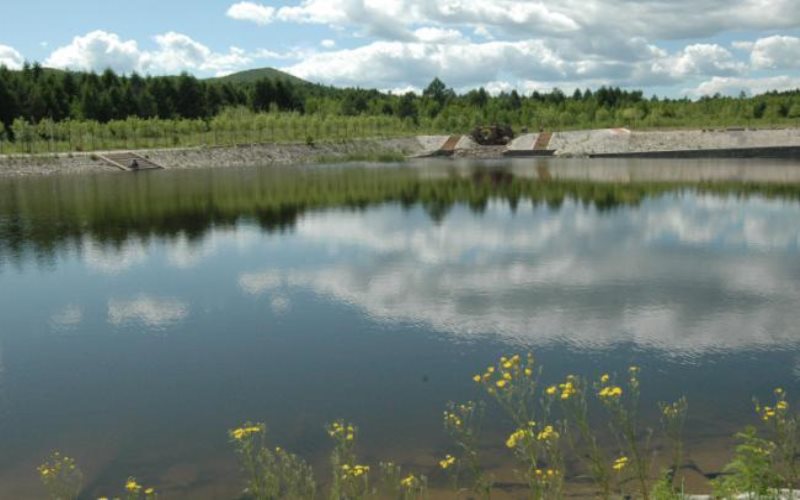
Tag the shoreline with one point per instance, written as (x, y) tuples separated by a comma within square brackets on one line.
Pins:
[(603, 143)]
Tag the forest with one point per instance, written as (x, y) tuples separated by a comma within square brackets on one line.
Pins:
[(48, 110)]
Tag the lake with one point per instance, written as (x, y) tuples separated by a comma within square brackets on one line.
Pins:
[(145, 315)]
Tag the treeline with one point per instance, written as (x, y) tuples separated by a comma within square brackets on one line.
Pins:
[(34, 95)]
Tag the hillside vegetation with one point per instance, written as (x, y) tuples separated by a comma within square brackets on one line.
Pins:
[(44, 110)]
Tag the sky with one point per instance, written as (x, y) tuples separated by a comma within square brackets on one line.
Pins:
[(670, 48)]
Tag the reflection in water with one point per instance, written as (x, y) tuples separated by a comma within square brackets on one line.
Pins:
[(45, 215), (575, 276), (302, 295), (154, 312), (68, 316)]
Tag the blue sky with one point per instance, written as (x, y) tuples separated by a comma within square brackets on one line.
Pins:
[(662, 47)]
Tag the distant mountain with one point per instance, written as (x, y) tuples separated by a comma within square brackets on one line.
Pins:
[(254, 75)]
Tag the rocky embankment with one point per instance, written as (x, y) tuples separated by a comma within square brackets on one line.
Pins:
[(719, 143), (216, 157)]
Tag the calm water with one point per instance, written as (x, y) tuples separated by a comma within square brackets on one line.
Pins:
[(144, 315)]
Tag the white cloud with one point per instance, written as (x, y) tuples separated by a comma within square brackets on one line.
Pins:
[(253, 12), (439, 35), (10, 58), (178, 52), (504, 65), (174, 52), (328, 43), (699, 59), (776, 52), (753, 86), (97, 50), (400, 64), (598, 18)]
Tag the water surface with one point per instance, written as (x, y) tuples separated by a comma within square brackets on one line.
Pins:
[(144, 315)]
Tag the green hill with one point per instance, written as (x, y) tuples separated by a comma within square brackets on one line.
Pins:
[(254, 75)]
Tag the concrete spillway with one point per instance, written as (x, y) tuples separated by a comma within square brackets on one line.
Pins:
[(610, 143)]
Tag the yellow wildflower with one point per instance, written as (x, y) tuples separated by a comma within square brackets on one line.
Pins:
[(568, 389), (516, 437), (528, 372), (782, 405), (551, 391), (448, 461), (132, 486), (409, 482), (605, 378), (610, 392), (508, 365), (149, 491), (477, 379), (507, 376), (547, 434), (501, 383), (490, 370), (620, 463)]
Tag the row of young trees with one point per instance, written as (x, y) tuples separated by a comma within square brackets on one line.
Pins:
[(35, 96)]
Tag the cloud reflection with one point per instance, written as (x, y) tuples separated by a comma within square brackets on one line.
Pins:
[(681, 273), (151, 311)]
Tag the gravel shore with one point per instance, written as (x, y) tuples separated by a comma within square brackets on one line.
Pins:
[(584, 143)]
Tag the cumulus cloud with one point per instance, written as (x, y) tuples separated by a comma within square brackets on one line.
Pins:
[(398, 64), (253, 12), (776, 52), (97, 50), (734, 85), (174, 52), (699, 59), (504, 65), (581, 42), (10, 58), (652, 18), (328, 43)]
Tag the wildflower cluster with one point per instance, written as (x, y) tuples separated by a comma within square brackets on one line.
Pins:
[(131, 486), (453, 421), (541, 474), (410, 482), (134, 490), (507, 371), (620, 464), (270, 473), (246, 431), (566, 390), (520, 435), (338, 430), (673, 420), (354, 471), (548, 434), (463, 422), (447, 462), (610, 392), (768, 413), (61, 476)]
